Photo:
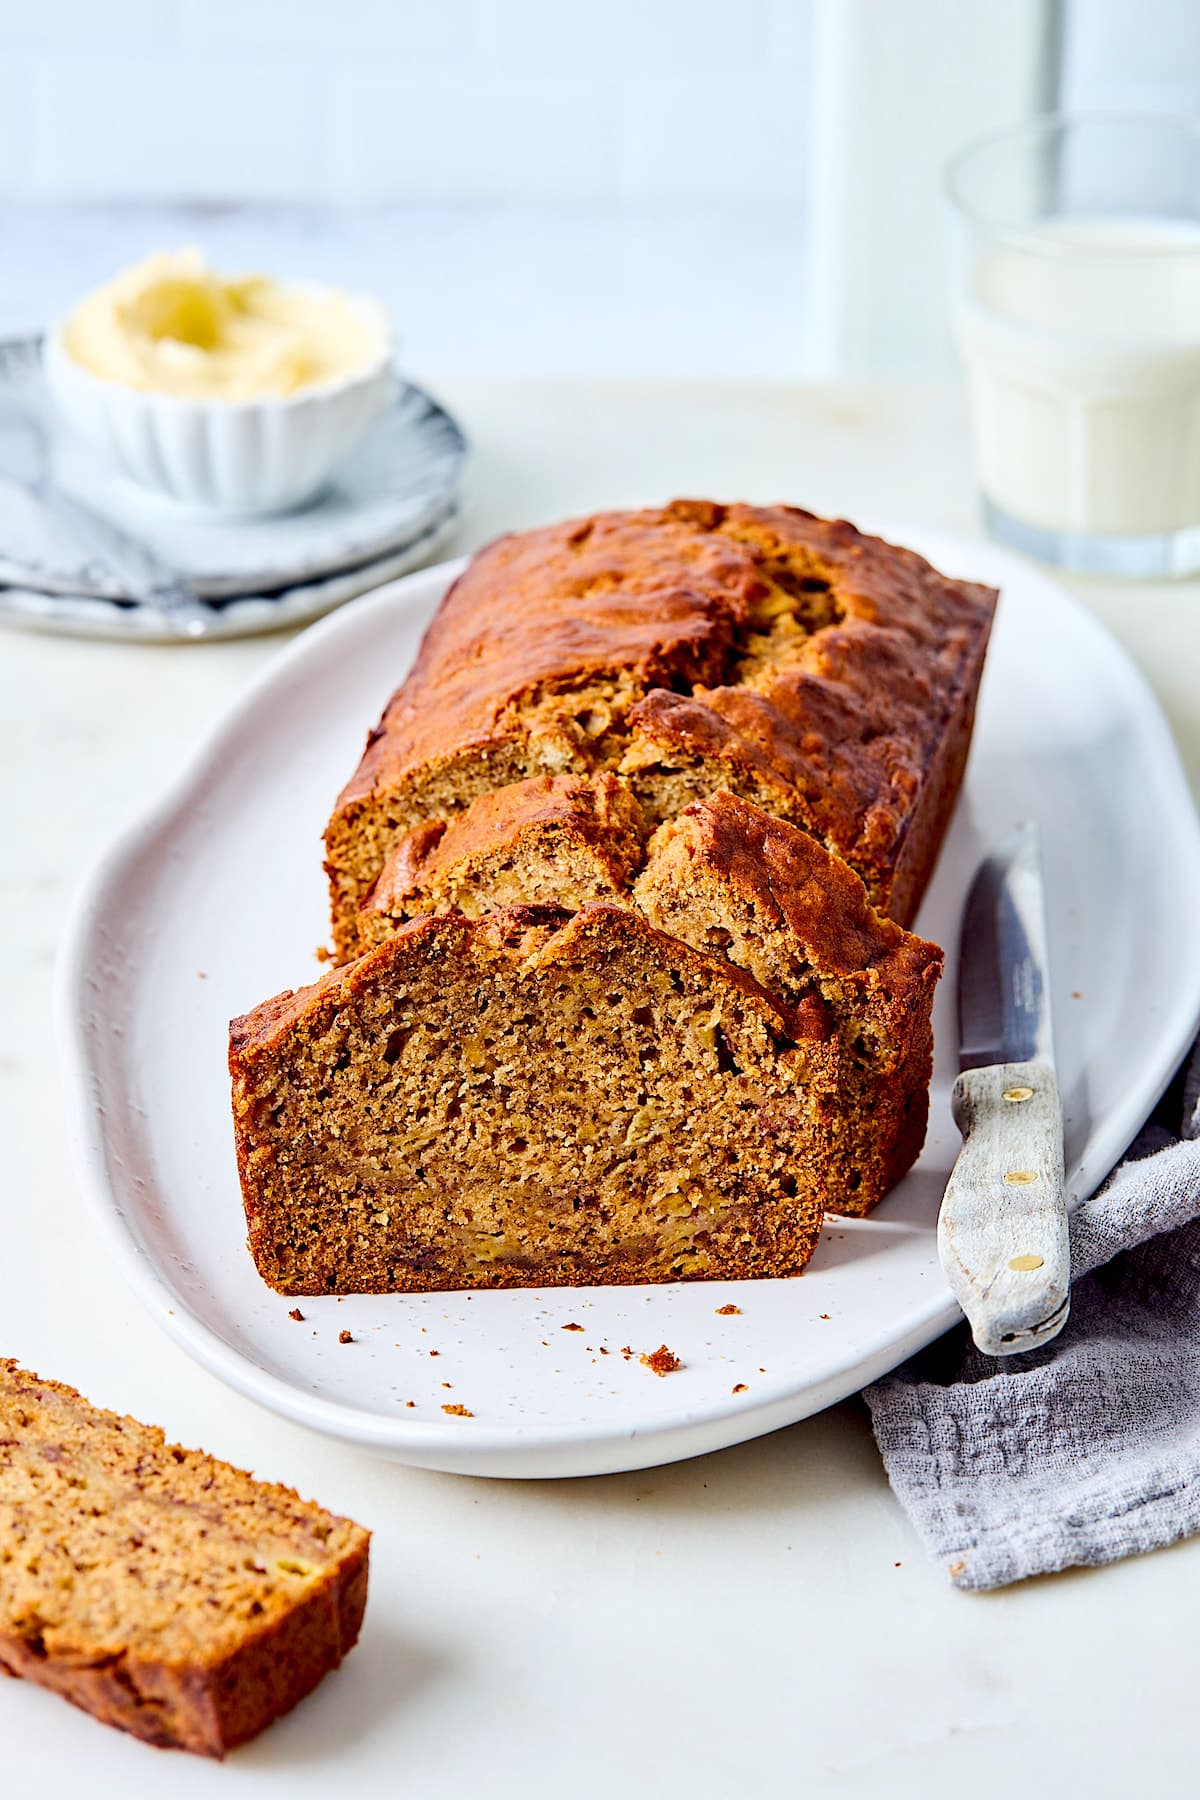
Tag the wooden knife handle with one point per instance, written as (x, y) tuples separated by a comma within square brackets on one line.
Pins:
[(1002, 1231)]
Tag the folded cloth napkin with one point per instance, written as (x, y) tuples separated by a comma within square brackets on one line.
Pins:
[(1088, 1450)]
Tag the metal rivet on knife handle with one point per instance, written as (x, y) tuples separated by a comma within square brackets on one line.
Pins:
[(1018, 1093), (1020, 1177), (1022, 1263)]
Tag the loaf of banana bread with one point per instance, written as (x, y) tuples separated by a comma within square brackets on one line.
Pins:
[(827, 676), (619, 891), (165, 1592)]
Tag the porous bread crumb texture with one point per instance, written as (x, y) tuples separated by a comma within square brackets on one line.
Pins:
[(826, 676), (531, 1098), (626, 1011), (165, 1592), (728, 879), (552, 840)]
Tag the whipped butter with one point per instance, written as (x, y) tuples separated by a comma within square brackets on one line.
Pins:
[(170, 325)]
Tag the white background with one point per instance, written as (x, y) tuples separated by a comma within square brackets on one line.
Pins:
[(534, 186), (630, 102)]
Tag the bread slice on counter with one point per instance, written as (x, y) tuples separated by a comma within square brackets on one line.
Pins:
[(828, 676), (155, 1587)]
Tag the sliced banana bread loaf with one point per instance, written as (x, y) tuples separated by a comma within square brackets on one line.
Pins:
[(539, 1098), (165, 1592)]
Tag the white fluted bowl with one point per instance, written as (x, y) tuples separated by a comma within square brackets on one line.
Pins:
[(231, 457)]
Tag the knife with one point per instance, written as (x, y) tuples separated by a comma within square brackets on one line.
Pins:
[(1002, 1231)]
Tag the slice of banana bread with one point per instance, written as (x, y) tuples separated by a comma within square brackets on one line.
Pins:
[(826, 675), (731, 880), (747, 888), (165, 1592), (533, 1099), (558, 840)]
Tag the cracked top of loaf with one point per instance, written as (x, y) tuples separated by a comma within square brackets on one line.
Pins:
[(827, 676)]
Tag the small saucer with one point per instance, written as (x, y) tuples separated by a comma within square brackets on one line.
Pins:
[(241, 615), (394, 493)]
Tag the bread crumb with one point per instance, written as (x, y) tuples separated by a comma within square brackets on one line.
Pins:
[(201, 974), (435, 1353), (296, 1314), (739, 1389), (571, 1326), (723, 1312), (824, 1315), (448, 1384), (323, 953), (956, 1569), (344, 1337), (897, 1565), (662, 1361), (459, 1411), (603, 1351), (626, 1352), (410, 1403)]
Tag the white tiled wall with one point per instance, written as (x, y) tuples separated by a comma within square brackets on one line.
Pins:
[(622, 100)]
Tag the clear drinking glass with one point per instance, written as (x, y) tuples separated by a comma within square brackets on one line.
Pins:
[(1077, 312)]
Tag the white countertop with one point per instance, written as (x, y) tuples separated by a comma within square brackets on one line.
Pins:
[(758, 1622)]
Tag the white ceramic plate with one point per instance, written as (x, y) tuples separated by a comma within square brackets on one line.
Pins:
[(217, 900), (78, 615)]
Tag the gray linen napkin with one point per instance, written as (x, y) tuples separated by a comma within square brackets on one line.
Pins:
[(1088, 1450)]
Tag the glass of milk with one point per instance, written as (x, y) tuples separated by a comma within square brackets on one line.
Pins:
[(1077, 312)]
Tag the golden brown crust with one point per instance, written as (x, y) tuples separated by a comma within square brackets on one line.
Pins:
[(136, 1579), (644, 596), (793, 881), (689, 647)]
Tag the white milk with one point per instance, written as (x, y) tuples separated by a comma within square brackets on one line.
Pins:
[(1083, 357)]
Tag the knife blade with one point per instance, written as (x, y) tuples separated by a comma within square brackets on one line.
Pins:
[(1002, 1230)]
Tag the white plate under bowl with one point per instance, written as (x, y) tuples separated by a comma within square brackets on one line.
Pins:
[(391, 492), (172, 937), (248, 615)]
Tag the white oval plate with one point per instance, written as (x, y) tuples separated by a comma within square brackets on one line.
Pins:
[(217, 900)]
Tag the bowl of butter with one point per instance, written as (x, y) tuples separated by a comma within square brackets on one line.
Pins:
[(235, 394)]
